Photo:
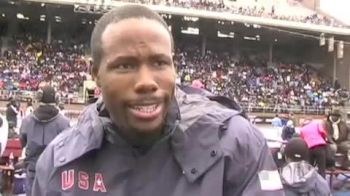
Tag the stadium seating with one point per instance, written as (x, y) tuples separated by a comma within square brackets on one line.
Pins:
[(275, 9), (256, 87), (28, 63)]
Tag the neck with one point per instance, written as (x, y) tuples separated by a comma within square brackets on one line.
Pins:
[(136, 139)]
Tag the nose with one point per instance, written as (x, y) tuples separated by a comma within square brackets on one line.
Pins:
[(145, 82)]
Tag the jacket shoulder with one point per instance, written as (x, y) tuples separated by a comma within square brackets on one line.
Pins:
[(28, 119), (239, 132), (247, 155), (45, 166), (57, 143), (63, 120), (195, 108), (62, 117)]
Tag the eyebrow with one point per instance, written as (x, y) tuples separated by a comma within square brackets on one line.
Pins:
[(135, 59), (161, 56)]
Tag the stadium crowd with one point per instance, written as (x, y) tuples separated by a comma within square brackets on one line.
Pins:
[(254, 85), (309, 17), (276, 88), (28, 63)]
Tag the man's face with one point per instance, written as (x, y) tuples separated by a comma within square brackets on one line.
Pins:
[(335, 117), (137, 75)]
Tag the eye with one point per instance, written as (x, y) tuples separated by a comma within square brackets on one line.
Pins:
[(124, 66), (161, 63)]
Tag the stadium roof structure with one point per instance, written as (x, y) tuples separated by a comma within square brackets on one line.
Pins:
[(214, 15), (297, 44), (250, 29), (269, 30)]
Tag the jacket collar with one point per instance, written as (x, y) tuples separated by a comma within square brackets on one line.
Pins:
[(195, 142), (90, 131)]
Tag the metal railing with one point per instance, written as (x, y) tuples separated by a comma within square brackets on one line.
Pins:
[(297, 109), (24, 96)]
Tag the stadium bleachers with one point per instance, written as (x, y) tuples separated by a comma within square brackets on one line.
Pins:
[(275, 9), (256, 87)]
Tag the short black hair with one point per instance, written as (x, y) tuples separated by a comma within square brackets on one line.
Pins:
[(297, 150), (114, 16)]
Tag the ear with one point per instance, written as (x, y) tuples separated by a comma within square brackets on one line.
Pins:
[(97, 80), (95, 76)]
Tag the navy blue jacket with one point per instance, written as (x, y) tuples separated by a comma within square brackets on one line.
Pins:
[(38, 130), (212, 150)]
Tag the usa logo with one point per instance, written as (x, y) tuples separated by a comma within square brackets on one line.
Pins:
[(71, 179)]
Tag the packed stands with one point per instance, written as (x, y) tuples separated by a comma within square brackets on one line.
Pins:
[(256, 86), (262, 8), (276, 88), (28, 63)]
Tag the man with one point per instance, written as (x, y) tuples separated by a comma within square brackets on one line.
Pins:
[(144, 136), (338, 132), (338, 137), (298, 176), (39, 129), (314, 134), (276, 121), (288, 131), (29, 108), (12, 112)]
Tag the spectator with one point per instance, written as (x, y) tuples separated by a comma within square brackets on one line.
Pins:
[(298, 176), (288, 131), (12, 112), (39, 129), (338, 134), (29, 108), (276, 122), (314, 134)]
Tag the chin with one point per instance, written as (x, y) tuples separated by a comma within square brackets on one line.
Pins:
[(148, 128)]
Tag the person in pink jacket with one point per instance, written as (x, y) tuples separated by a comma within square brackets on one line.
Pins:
[(314, 134)]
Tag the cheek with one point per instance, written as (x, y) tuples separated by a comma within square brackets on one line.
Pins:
[(111, 91), (167, 80)]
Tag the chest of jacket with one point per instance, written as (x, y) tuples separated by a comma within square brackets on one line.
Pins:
[(119, 171), (343, 131)]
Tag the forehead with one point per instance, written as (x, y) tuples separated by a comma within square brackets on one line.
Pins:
[(135, 31)]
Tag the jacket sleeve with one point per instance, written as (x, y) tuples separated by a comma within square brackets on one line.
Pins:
[(43, 171), (322, 130), (249, 166)]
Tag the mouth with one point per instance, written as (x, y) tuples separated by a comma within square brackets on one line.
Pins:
[(146, 111)]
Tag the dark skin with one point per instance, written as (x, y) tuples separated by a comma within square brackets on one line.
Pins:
[(136, 68)]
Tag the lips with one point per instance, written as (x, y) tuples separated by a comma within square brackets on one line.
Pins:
[(146, 111)]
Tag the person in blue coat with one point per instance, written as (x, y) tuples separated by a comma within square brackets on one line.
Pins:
[(38, 129), (298, 176), (145, 136)]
